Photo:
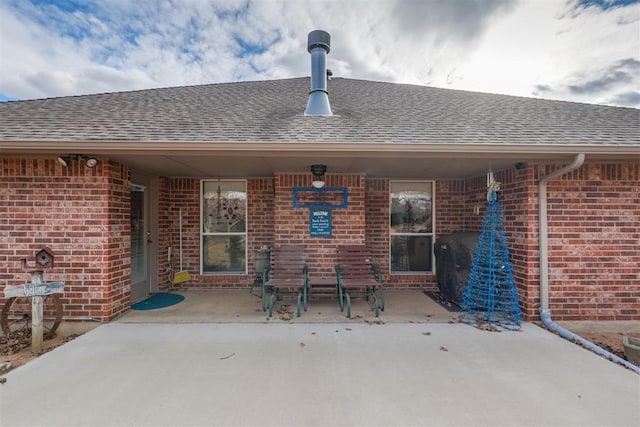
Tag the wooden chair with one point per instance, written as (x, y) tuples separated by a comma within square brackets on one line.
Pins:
[(357, 273), (288, 273)]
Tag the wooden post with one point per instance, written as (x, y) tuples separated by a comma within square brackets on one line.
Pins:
[(37, 329), (37, 315)]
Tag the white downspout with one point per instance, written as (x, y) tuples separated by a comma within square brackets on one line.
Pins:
[(545, 312), (543, 240)]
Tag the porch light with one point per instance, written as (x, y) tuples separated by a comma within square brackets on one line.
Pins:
[(318, 175), (64, 160), (89, 161)]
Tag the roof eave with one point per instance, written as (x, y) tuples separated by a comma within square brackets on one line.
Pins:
[(106, 147)]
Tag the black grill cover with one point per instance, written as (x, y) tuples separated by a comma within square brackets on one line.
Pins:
[(454, 253)]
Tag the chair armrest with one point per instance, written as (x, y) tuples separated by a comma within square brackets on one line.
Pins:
[(338, 269), (376, 272)]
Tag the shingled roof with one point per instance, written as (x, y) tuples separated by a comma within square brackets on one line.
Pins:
[(272, 112)]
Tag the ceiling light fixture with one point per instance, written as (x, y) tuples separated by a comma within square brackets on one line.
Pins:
[(318, 175)]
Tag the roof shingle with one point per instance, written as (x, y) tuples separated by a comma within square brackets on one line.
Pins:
[(272, 111)]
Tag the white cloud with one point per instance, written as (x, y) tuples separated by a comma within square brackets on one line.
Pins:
[(37, 61), (544, 49), (528, 48)]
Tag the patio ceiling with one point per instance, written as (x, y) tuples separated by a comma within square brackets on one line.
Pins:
[(426, 161), (415, 166), (387, 160)]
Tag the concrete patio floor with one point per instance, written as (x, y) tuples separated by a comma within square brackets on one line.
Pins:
[(204, 363), (240, 306)]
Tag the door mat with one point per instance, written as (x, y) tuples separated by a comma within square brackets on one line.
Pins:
[(160, 300), (443, 301)]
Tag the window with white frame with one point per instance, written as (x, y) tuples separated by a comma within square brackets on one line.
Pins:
[(411, 226), (224, 227)]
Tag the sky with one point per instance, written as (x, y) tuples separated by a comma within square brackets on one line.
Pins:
[(573, 50)]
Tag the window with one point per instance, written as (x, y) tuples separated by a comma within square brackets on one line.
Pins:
[(411, 226), (224, 227)]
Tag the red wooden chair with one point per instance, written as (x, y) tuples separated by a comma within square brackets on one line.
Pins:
[(287, 274), (357, 273)]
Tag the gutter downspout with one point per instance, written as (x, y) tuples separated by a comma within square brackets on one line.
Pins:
[(545, 312)]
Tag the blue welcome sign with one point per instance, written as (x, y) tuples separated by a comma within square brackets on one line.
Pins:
[(320, 223)]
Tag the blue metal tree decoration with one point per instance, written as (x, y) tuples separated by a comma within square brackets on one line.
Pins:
[(490, 298)]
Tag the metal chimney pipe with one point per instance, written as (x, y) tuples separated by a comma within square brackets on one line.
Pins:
[(318, 45)]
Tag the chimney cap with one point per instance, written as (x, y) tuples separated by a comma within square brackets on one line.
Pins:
[(319, 38)]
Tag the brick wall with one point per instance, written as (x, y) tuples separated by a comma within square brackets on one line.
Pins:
[(272, 220), (184, 194), (164, 233), (377, 221), (292, 224), (261, 216), (82, 214), (594, 242), (452, 208), (594, 238), (116, 275)]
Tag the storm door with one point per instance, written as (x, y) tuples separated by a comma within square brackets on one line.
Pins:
[(143, 247)]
